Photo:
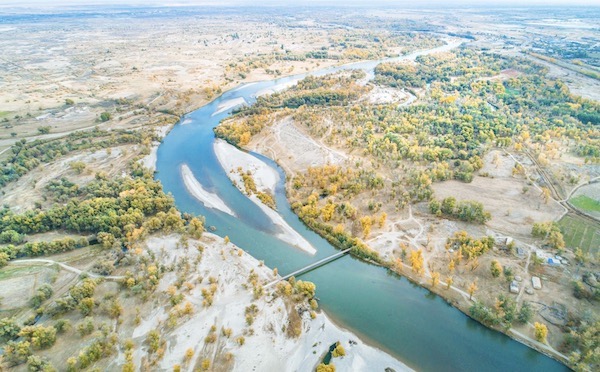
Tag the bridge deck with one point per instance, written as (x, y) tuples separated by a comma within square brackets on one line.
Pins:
[(310, 267)]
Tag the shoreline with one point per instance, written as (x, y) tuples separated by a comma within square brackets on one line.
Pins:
[(228, 105)]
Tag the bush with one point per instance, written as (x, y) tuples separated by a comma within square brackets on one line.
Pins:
[(9, 329), (41, 337), (338, 351), (105, 116)]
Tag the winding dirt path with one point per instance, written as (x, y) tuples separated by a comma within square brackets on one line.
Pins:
[(64, 266)]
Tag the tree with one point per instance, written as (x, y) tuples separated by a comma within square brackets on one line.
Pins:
[(540, 331), (416, 261), (105, 116), (452, 265), (307, 289), (77, 166), (9, 329), (37, 364), (325, 368), (153, 340), (16, 353), (62, 325), (382, 219), (338, 351), (471, 290), (546, 194), (366, 223), (495, 268), (4, 258), (449, 281), (196, 228), (69, 102), (435, 279), (86, 305), (44, 129), (106, 239), (525, 313), (448, 205), (39, 336)]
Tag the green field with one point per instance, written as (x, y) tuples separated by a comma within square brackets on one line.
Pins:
[(586, 203), (579, 232)]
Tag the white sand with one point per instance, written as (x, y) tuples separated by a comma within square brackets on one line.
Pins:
[(228, 105), (269, 349), (266, 179), (276, 88), (231, 158), (149, 161), (287, 233), (209, 199)]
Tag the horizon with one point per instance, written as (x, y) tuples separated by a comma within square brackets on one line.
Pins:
[(274, 3)]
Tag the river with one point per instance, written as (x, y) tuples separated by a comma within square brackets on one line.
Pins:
[(409, 322)]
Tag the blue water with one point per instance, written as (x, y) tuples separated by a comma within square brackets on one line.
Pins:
[(409, 322)]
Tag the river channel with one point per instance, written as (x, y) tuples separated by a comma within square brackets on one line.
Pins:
[(409, 322)]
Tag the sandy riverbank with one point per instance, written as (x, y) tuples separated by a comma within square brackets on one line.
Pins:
[(269, 348), (266, 179), (228, 105), (209, 199)]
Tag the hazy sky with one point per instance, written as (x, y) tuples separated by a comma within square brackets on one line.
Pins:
[(409, 3)]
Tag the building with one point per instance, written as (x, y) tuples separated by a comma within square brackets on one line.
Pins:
[(514, 287), (536, 282)]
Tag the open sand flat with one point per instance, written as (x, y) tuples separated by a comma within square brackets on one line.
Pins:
[(293, 149), (209, 199), (269, 348)]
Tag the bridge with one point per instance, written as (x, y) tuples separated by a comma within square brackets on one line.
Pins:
[(310, 267)]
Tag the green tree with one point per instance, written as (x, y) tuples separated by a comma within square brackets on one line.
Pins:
[(9, 329), (44, 129), (525, 313), (448, 205), (105, 116)]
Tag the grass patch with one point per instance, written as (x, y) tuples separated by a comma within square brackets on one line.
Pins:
[(586, 203), (13, 271), (580, 233)]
